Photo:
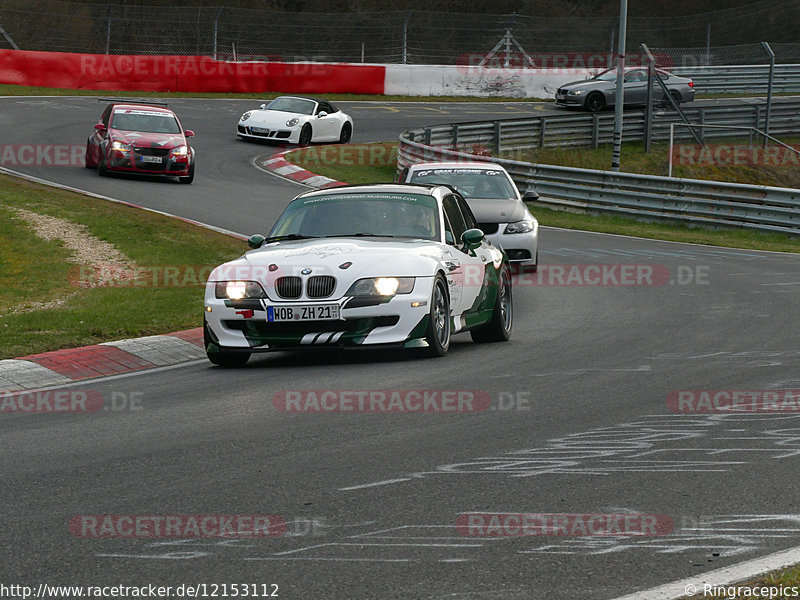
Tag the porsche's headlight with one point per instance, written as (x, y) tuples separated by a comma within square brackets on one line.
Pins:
[(292, 122), (180, 151), (245, 116), (520, 227), (239, 290), (121, 146), (381, 286)]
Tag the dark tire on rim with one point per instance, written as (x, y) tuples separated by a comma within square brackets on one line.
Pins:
[(86, 162), (101, 165), (535, 266), (305, 135), (228, 360), (190, 177), (499, 328), (595, 101), (347, 132), (438, 332)]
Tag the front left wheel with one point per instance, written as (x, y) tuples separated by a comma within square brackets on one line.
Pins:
[(228, 360), (190, 177)]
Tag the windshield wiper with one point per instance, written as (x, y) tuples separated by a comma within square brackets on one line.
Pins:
[(290, 236), (362, 234)]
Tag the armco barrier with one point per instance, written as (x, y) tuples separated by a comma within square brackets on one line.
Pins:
[(742, 79), (708, 203), (184, 74)]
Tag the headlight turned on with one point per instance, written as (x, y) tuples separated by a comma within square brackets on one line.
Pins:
[(381, 286), (238, 290)]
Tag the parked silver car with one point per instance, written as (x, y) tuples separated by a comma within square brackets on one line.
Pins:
[(599, 92), (495, 201)]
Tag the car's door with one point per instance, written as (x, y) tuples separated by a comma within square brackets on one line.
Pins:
[(99, 135), (635, 85), (466, 278), (326, 125)]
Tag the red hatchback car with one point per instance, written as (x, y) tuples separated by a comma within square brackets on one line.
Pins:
[(140, 138)]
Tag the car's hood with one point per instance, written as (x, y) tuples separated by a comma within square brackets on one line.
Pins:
[(149, 140), (271, 118), (586, 84), (367, 257), (497, 211)]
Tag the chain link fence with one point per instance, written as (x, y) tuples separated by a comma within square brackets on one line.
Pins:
[(406, 37)]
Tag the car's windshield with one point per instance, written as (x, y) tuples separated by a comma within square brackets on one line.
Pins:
[(300, 106), (147, 121), (380, 214), (607, 75), (470, 182)]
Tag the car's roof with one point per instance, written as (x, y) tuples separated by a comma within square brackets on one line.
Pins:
[(397, 188), (148, 107), (317, 100), (457, 165)]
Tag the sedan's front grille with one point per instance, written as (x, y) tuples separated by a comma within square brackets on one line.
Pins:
[(320, 286), (489, 228), (151, 151), (289, 287)]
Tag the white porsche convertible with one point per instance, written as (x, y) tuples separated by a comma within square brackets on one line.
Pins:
[(361, 266), (296, 120)]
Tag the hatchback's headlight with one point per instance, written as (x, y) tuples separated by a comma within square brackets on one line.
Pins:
[(180, 151), (239, 290), (520, 227), (245, 116), (381, 286), (121, 146), (292, 122)]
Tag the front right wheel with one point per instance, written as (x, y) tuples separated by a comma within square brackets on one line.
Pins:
[(499, 328), (438, 332)]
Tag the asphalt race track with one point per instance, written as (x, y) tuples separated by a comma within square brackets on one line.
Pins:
[(579, 423)]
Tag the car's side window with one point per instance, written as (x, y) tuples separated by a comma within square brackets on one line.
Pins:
[(469, 218), (454, 216), (324, 107)]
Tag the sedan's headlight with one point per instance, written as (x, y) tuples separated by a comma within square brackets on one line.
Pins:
[(180, 151), (520, 227), (381, 286), (292, 122), (121, 146), (576, 92), (239, 290), (245, 116)]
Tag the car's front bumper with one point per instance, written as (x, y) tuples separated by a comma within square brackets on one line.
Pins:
[(243, 324), (519, 247), (286, 135), (132, 162)]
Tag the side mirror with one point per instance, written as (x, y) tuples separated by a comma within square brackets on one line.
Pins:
[(188, 133), (263, 106), (322, 114), (256, 241), (530, 196), (472, 239), (100, 127)]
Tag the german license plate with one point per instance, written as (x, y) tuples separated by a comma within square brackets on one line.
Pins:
[(151, 159), (560, 96), (307, 312), (259, 130)]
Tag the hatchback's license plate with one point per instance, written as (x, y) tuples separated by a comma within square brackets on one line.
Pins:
[(151, 159), (307, 312)]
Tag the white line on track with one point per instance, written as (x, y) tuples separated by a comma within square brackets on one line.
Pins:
[(727, 576)]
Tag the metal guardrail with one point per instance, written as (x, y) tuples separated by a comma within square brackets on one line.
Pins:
[(699, 202), (591, 130), (742, 78)]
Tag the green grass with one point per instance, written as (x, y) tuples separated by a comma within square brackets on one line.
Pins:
[(789, 577), (373, 163), (634, 160), (32, 270)]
